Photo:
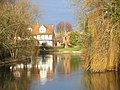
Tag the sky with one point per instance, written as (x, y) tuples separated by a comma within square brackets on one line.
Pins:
[(54, 11)]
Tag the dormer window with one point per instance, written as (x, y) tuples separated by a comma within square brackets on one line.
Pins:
[(42, 29)]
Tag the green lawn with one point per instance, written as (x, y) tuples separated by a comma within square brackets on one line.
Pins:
[(70, 49)]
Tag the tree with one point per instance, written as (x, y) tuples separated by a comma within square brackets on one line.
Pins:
[(15, 19), (74, 36), (102, 35), (10, 1), (63, 27)]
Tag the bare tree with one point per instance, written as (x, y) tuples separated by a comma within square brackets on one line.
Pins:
[(63, 27), (7, 1), (14, 23)]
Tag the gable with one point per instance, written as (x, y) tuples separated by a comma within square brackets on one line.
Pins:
[(42, 29)]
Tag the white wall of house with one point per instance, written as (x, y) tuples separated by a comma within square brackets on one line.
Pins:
[(50, 43), (44, 38), (48, 37), (38, 37)]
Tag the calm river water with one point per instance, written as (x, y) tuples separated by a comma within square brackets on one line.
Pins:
[(55, 72)]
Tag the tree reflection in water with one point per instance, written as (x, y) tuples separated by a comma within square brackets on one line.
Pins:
[(69, 64), (55, 70), (8, 81), (103, 81), (40, 70)]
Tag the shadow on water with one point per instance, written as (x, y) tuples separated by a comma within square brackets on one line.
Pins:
[(5, 77), (43, 49), (14, 79), (4, 53)]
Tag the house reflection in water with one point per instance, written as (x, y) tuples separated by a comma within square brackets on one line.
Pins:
[(39, 74), (19, 69), (44, 68), (41, 68)]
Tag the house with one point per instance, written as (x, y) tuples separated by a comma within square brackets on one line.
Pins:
[(66, 39), (58, 41), (44, 34), (63, 40)]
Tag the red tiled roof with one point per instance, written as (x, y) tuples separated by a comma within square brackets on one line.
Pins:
[(49, 28)]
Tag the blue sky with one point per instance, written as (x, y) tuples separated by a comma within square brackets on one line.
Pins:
[(54, 11)]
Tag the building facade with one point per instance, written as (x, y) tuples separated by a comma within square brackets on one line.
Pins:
[(44, 34)]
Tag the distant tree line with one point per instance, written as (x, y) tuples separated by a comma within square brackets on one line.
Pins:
[(62, 28)]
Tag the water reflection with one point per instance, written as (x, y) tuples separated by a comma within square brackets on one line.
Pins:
[(40, 70), (55, 71), (68, 64), (103, 81), (44, 68)]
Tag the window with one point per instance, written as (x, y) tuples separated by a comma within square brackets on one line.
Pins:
[(42, 29), (42, 37), (50, 37), (38, 37), (46, 37)]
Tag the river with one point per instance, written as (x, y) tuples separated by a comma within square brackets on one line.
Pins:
[(55, 72)]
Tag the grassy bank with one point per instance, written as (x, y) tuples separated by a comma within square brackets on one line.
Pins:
[(69, 49)]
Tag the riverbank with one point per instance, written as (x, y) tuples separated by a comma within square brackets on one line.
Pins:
[(14, 62), (66, 52), (61, 50)]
